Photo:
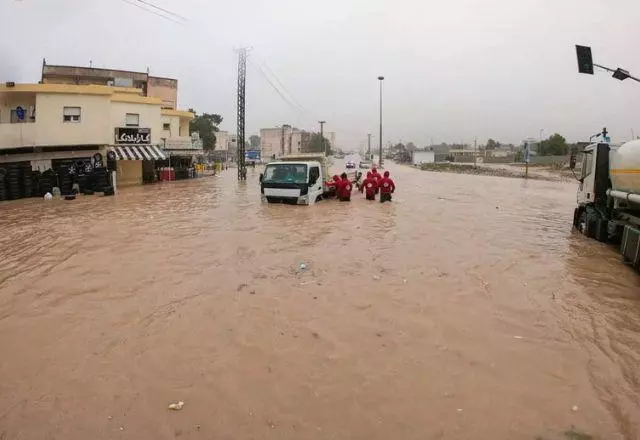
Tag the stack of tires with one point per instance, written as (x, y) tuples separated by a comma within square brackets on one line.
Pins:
[(35, 184), (101, 182), (46, 182), (3, 187), (64, 180), (13, 181), (27, 182)]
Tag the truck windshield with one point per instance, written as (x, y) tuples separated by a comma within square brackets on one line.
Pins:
[(285, 173)]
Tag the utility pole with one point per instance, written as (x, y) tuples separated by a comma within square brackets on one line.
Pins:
[(369, 146), (242, 78), (324, 144), (380, 79), (475, 152)]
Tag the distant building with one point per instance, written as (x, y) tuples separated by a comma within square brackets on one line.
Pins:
[(165, 89), (418, 157), (441, 152), (281, 141)]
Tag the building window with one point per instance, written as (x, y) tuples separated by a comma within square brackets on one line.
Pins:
[(166, 126), (132, 120), (71, 114)]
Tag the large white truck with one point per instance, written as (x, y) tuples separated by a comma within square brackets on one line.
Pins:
[(297, 179), (609, 197)]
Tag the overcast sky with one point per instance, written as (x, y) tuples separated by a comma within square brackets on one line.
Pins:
[(454, 69)]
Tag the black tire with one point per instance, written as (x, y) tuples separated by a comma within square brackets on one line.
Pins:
[(601, 232)]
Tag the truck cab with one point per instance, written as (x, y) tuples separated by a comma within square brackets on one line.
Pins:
[(292, 182)]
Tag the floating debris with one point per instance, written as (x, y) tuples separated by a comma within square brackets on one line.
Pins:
[(176, 406)]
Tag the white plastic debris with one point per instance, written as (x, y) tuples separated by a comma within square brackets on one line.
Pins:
[(518, 337), (575, 408), (176, 406), (48, 196), (303, 266), (376, 277)]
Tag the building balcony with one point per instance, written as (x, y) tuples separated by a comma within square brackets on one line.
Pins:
[(17, 135), (47, 134)]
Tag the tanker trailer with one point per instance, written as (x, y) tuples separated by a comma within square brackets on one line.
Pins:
[(609, 197)]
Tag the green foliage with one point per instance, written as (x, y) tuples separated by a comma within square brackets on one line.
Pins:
[(492, 145), (556, 145), (317, 146), (207, 125), (254, 142)]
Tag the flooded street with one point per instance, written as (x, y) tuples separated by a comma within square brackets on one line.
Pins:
[(465, 309)]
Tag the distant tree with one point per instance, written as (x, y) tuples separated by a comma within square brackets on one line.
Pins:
[(556, 145), (317, 146), (254, 142), (492, 145), (207, 125), (411, 146), (399, 147)]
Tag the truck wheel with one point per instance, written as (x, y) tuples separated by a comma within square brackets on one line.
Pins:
[(581, 222), (601, 232), (587, 224), (576, 218)]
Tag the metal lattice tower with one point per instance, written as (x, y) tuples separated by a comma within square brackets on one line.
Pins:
[(242, 77)]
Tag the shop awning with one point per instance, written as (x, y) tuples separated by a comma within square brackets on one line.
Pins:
[(138, 152)]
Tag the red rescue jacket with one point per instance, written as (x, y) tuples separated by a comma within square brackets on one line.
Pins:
[(387, 186), (344, 189), (370, 186)]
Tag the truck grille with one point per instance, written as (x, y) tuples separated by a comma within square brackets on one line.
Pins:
[(285, 200)]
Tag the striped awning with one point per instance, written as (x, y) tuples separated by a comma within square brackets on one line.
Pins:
[(138, 152)]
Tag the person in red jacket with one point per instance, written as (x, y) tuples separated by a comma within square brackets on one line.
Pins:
[(344, 189), (377, 177), (333, 186), (387, 187), (370, 186)]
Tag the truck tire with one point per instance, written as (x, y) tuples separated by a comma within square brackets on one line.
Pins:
[(576, 218), (587, 224), (601, 230)]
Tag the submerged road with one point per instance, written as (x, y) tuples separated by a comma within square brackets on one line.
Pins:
[(465, 309)]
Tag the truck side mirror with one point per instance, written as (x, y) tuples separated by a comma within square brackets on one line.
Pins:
[(572, 160), (261, 176)]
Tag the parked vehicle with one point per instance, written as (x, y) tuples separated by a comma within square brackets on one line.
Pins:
[(609, 196), (365, 165), (350, 165), (296, 180)]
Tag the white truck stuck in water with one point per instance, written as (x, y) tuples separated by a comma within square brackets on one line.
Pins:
[(297, 180), (609, 197)]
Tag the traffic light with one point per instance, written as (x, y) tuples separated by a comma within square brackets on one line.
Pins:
[(585, 61)]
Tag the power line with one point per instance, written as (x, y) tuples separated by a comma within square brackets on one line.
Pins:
[(264, 63), (284, 98), (132, 3), (166, 11)]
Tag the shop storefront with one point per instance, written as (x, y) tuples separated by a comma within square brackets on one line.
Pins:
[(135, 156)]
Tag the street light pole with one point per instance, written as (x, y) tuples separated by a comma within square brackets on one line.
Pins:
[(368, 146), (324, 144), (380, 79)]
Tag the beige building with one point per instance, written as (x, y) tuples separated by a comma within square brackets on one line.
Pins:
[(280, 141), (43, 124), (166, 89)]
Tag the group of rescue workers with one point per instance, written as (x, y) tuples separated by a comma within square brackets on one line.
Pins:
[(373, 184)]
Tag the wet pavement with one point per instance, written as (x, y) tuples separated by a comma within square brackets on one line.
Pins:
[(465, 309)]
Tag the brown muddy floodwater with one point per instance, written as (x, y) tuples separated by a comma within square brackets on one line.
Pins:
[(466, 309)]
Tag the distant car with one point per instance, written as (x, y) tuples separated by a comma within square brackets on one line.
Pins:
[(351, 165), (365, 165)]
